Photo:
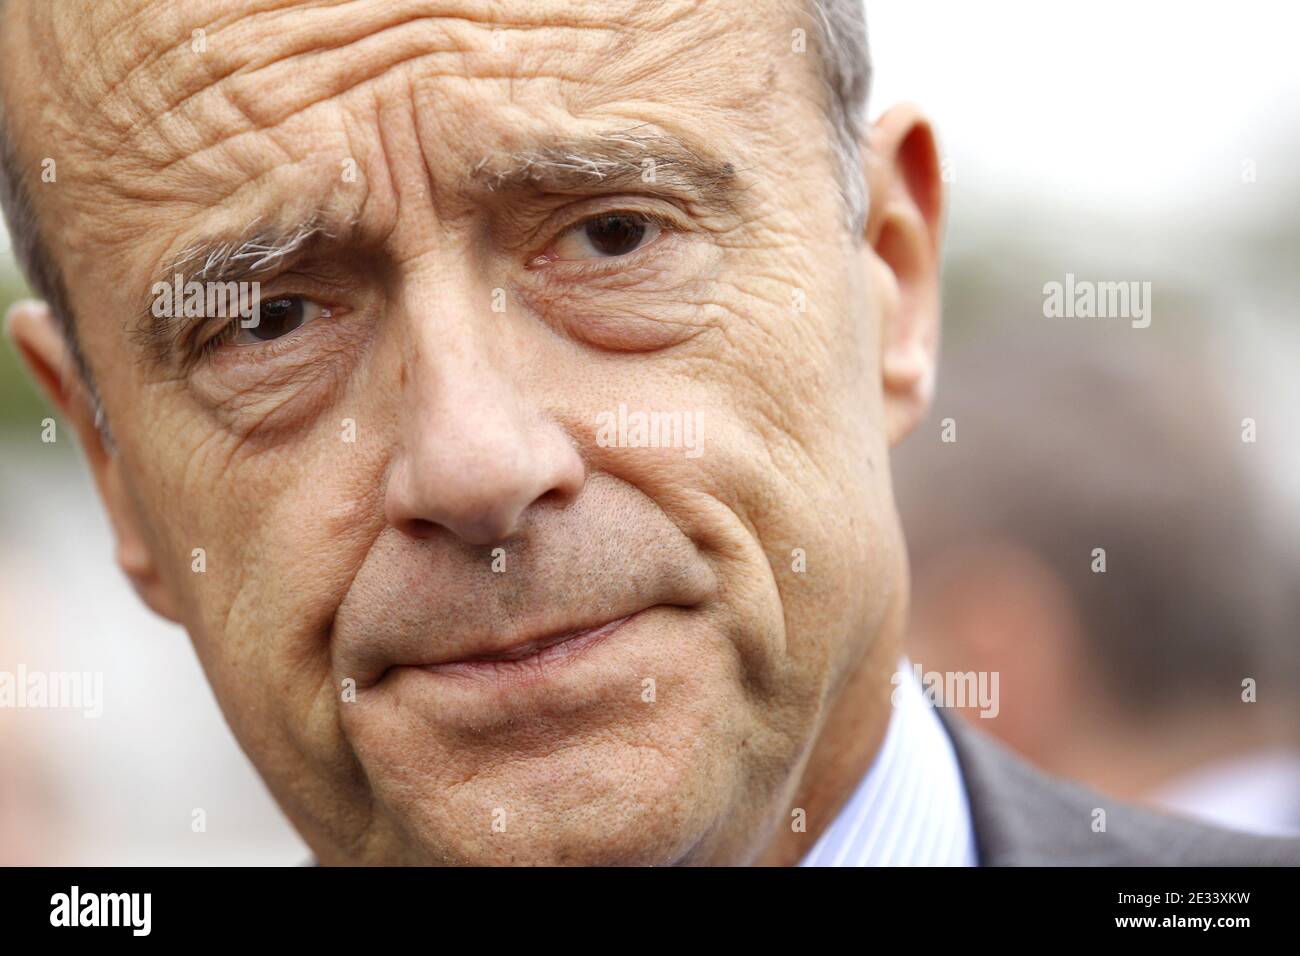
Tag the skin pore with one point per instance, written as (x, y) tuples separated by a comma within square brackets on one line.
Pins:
[(455, 327)]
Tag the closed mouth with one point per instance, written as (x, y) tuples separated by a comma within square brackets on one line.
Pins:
[(533, 655)]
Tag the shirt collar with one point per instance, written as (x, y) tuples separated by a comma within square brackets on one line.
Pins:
[(911, 807)]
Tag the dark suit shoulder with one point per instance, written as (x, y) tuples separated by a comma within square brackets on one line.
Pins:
[(1024, 817)]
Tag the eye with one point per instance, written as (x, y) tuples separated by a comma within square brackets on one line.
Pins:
[(277, 317), (606, 237)]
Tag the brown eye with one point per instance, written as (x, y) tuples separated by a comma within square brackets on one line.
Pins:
[(606, 237), (276, 318)]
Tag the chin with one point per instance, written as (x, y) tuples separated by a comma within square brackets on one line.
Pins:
[(660, 800)]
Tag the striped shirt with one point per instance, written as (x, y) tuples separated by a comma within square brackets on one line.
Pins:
[(911, 807)]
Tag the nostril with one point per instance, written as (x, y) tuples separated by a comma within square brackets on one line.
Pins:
[(420, 528), (558, 497)]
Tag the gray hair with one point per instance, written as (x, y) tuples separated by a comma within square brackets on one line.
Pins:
[(839, 35)]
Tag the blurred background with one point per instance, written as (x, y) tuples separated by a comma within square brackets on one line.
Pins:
[(1117, 143), (1113, 141)]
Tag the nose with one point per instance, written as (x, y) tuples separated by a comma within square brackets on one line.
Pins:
[(474, 456)]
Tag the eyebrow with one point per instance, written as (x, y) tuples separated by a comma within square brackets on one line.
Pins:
[(614, 160), (259, 252)]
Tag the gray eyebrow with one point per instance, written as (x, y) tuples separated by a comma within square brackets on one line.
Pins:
[(258, 252), (613, 159)]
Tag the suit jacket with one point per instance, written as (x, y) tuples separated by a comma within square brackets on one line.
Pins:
[(1023, 817)]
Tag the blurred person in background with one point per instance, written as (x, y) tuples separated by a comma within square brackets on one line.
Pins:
[(1138, 678)]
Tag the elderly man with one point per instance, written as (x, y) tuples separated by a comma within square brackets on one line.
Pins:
[(538, 508)]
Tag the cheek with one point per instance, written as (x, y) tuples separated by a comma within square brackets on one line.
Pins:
[(787, 492), (797, 452), (261, 543), (277, 392)]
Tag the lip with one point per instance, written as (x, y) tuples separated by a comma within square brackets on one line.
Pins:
[(533, 657)]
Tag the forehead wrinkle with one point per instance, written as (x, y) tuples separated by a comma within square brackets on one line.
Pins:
[(249, 113), (222, 57), (277, 49)]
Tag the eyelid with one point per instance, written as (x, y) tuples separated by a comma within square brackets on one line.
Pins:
[(548, 216), (324, 312), (666, 224), (229, 331)]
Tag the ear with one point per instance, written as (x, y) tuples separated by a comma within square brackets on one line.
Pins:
[(36, 335), (902, 232)]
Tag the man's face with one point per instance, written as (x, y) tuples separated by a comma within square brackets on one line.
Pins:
[(509, 237)]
